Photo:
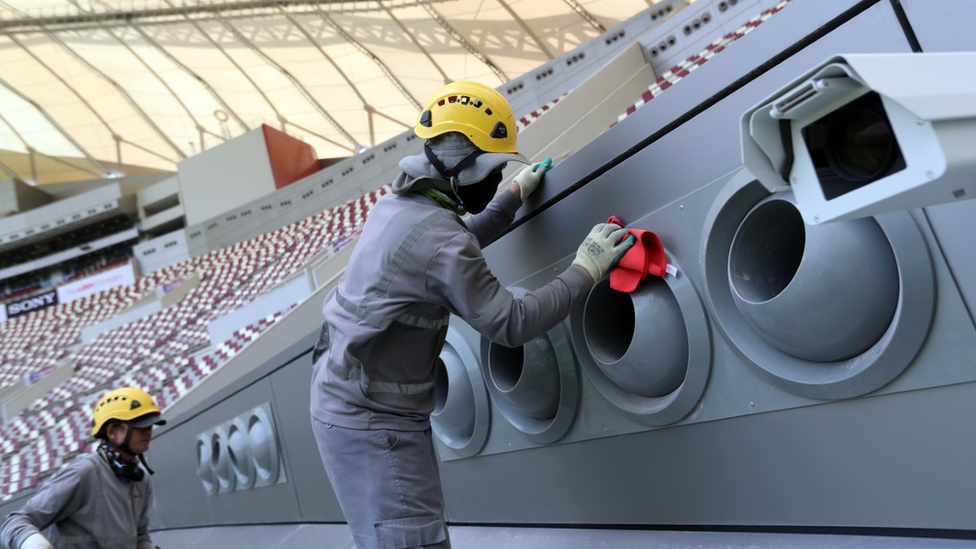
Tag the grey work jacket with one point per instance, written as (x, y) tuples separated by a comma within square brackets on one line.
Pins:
[(386, 321), (89, 508)]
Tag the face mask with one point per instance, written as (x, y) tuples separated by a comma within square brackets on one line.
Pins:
[(477, 196)]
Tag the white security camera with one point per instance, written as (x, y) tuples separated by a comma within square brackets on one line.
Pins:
[(862, 135)]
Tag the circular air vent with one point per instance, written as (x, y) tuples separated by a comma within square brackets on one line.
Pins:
[(648, 352), (263, 447), (220, 461), (831, 311), (461, 414), (819, 293), (534, 385), (205, 465), (239, 453)]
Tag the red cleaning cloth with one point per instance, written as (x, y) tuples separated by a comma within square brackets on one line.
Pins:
[(645, 257)]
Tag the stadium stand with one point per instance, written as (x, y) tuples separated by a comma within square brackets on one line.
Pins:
[(682, 69), (166, 353)]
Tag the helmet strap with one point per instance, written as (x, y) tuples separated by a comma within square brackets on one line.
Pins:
[(450, 174), (127, 449), (142, 458)]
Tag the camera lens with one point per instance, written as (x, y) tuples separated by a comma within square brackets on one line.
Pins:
[(860, 145)]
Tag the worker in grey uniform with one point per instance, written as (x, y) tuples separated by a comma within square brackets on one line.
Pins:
[(418, 261), (100, 500)]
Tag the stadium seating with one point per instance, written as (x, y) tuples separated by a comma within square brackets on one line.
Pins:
[(684, 68), (166, 353)]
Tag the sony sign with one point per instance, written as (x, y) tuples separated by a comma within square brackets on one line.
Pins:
[(37, 302)]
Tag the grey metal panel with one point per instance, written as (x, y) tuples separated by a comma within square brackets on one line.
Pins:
[(553, 538), (180, 499), (850, 463), (12, 505), (294, 352), (320, 536), (954, 224), (942, 25), (266, 536), (292, 389), (896, 461)]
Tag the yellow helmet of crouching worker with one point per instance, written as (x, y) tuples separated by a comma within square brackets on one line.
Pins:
[(126, 404), (475, 110)]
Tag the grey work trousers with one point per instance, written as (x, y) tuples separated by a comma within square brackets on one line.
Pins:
[(388, 485)]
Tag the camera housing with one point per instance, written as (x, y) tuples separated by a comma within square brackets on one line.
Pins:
[(861, 135)]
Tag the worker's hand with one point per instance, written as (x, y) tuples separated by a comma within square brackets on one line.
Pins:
[(530, 177), (601, 249), (36, 541)]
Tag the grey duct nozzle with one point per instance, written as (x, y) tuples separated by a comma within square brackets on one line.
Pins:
[(454, 408), (239, 453), (220, 461), (637, 339), (820, 293), (526, 376)]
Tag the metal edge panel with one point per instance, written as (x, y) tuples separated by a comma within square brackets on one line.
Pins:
[(292, 389), (180, 499), (943, 26)]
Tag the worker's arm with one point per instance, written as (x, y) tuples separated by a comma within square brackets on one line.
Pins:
[(489, 224), (498, 215), (57, 499), (459, 279), (36, 541)]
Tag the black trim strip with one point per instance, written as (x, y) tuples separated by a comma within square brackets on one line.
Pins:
[(918, 533), (906, 26), (787, 52), (873, 531)]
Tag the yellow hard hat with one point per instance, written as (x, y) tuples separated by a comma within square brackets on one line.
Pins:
[(126, 404), (473, 109)]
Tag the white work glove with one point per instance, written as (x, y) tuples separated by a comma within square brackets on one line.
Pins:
[(36, 541), (601, 249), (530, 177)]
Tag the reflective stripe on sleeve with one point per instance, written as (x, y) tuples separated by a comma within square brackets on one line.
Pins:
[(399, 388)]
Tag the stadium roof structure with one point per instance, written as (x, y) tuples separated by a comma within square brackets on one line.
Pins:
[(105, 88)]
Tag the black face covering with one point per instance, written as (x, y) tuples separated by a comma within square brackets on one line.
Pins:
[(477, 196)]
